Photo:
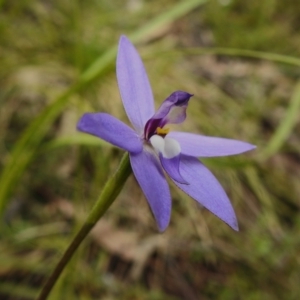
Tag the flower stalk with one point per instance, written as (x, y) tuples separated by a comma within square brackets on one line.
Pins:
[(109, 193)]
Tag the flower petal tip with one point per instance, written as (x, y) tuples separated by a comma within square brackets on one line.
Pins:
[(81, 124), (111, 130), (163, 219), (123, 37), (124, 42), (249, 147), (180, 98), (234, 225), (162, 226)]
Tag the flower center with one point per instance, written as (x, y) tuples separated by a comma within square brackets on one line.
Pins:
[(168, 147), (171, 111), (162, 131)]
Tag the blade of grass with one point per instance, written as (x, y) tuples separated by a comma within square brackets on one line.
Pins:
[(77, 139), (169, 16), (268, 213), (285, 59), (24, 150), (285, 127)]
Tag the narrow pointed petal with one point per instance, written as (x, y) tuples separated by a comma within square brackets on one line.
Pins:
[(206, 190), (150, 177), (171, 166), (171, 111), (134, 85), (111, 130), (206, 146)]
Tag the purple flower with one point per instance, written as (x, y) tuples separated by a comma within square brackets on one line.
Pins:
[(155, 151)]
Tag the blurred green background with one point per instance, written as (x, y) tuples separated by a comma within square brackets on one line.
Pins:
[(57, 61)]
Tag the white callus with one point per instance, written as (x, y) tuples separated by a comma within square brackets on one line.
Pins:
[(168, 147)]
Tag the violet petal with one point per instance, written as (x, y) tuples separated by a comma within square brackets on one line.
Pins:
[(134, 85), (150, 177), (171, 111), (207, 146), (111, 130), (205, 189), (171, 166), (175, 100)]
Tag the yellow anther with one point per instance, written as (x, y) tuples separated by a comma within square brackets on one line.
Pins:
[(162, 131)]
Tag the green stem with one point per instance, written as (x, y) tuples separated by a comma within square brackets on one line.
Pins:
[(111, 190)]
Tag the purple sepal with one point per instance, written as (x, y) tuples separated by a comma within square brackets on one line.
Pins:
[(111, 130), (208, 146), (134, 86), (205, 189), (149, 175), (171, 166), (172, 111)]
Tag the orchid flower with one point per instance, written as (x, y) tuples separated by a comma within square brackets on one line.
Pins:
[(155, 150)]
